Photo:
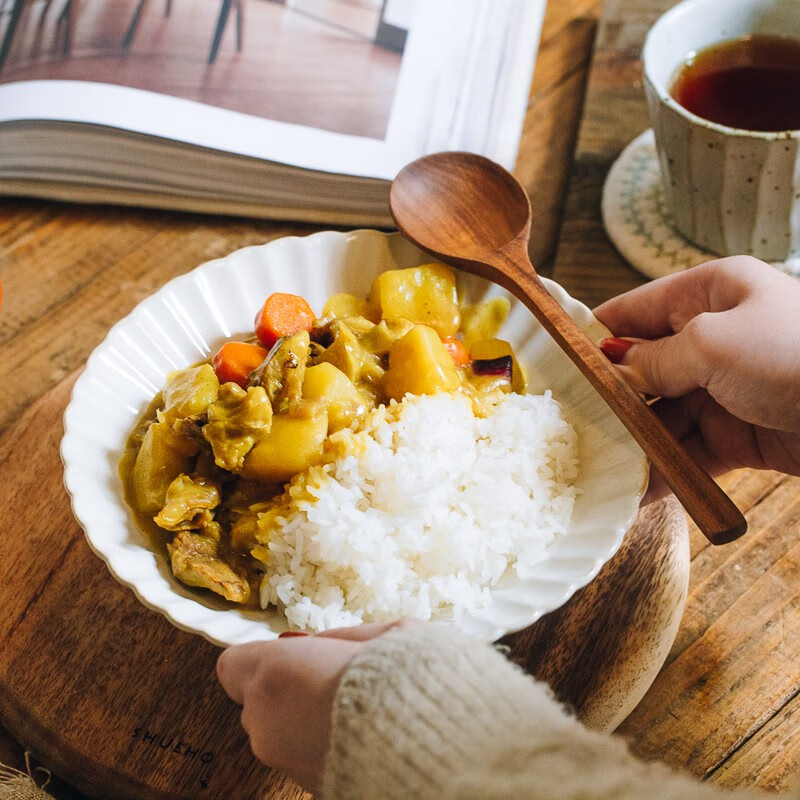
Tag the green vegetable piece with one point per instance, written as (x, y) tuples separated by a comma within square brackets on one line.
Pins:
[(371, 376), (236, 422), (189, 392)]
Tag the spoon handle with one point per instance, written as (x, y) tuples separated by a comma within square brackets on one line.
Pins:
[(712, 510)]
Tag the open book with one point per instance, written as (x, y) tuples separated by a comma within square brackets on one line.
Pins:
[(298, 109)]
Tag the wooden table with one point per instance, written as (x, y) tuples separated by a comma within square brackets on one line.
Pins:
[(724, 705)]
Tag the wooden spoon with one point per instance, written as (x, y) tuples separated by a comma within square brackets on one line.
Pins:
[(468, 211)]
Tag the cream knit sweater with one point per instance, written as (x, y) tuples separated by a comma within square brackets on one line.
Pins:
[(429, 713)]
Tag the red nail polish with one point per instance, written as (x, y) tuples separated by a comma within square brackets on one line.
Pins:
[(287, 634), (615, 349)]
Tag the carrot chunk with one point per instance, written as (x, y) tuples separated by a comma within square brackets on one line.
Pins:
[(457, 351), (234, 361), (282, 315)]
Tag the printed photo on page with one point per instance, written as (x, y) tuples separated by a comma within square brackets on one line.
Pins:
[(329, 64)]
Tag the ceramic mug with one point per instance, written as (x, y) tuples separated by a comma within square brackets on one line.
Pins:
[(730, 191)]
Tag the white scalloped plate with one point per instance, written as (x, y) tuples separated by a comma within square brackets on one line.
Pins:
[(189, 318)]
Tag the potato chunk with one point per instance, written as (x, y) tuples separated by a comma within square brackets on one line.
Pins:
[(425, 295), (484, 320), (332, 387), (384, 335), (419, 364), (346, 352), (189, 392), (344, 305), (158, 463), (294, 443)]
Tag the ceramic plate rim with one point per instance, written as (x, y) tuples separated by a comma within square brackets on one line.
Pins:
[(226, 627)]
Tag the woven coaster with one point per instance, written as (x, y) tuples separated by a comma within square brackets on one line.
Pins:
[(638, 221)]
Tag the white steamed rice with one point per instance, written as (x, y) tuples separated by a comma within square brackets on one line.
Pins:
[(421, 511)]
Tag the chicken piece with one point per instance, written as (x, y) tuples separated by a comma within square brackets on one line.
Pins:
[(195, 561), (206, 467), (189, 504), (238, 420), (244, 525), (283, 370), (191, 430)]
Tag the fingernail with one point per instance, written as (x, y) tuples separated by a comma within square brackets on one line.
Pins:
[(287, 634), (615, 349)]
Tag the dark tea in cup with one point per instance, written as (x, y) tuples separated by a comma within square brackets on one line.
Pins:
[(752, 83)]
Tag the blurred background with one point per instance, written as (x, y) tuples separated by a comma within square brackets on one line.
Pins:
[(330, 64)]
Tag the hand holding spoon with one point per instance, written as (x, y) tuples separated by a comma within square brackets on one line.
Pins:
[(469, 212)]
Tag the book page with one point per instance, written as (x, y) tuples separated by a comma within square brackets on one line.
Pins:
[(357, 87)]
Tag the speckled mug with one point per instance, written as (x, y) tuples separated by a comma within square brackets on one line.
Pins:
[(730, 191)]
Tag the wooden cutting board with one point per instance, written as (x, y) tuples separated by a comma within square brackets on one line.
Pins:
[(122, 705)]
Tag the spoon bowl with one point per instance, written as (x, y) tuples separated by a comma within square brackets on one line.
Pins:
[(443, 184), (468, 211)]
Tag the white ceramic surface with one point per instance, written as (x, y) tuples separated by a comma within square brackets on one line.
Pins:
[(730, 191), (638, 220), (192, 315)]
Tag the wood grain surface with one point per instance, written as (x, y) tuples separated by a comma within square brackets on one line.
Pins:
[(269, 77), (113, 698), (725, 706)]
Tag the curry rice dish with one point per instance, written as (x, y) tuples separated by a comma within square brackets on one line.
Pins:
[(378, 461)]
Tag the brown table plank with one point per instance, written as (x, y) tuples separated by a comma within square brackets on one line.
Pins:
[(725, 704), (599, 652), (614, 114)]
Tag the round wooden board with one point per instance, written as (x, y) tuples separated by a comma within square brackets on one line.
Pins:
[(120, 704)]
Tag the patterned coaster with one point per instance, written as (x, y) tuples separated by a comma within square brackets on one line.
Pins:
[(638, 221)]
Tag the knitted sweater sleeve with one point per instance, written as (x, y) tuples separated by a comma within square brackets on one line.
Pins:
[(426, 712)]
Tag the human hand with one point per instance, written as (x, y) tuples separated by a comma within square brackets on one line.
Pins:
[(287, 687), (722, 343)]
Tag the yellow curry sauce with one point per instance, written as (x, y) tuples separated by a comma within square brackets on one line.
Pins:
[(207, 463)]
